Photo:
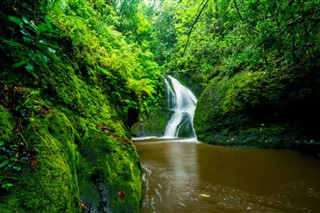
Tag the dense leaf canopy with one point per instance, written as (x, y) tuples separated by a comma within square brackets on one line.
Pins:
[(102, 62)]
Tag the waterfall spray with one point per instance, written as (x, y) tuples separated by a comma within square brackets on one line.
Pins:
[(183, 103)]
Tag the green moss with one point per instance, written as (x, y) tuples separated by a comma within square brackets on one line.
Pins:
[(243, 111), (108, 165), (50, 183), (153, 125), (7, 124), (76, 158), (74, 122)]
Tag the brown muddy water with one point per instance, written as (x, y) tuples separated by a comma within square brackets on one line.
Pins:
[(185, 176)]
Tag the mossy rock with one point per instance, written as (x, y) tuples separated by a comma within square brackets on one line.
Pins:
[(75, 162), (49, 183), (153, 125), (109, 166), (243, 111), (7, 124), (74, 121)]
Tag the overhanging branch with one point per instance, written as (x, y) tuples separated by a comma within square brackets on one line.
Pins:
[(193, 24)]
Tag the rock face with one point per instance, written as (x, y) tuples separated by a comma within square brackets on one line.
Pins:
[(75, 161), (254, 109), (67, 153), (153, 125), (64, 138)]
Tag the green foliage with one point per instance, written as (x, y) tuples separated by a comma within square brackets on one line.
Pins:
[(116, 158), (48, 176), (258, 59), (236, 36), (8, 161), (248, 109), (7, 126), (84, 77), (107, 51), (33, 38), (163, 35)]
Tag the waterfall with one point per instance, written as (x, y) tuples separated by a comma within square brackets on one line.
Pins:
[(182, 102)]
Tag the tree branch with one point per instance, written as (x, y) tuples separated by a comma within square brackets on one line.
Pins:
[(193, 24), (235, 3)]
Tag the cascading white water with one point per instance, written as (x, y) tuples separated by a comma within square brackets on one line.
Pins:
[(183, 103)]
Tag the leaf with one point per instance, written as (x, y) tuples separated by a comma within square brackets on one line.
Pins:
[(4, 163), (29, 67), (51, 50), (31, 24), (13, 43), (49, 26), (19, 64), (18, 107), (31, 106), (43, 28), (27, 39), (1, 143), (7, 185), (14, 159), (42, 57), (25, 20), (26, 33), (204, 195), (16, 20), (17, 168)]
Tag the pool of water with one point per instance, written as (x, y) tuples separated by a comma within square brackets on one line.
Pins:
[(188, 176)]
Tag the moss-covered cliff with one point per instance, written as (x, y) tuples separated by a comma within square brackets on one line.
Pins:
[(260, 108), (66, 160), (70, 85)]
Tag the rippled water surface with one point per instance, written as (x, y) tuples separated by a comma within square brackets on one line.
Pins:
[(186, 176)]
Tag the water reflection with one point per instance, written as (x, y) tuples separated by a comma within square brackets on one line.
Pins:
[(194, 177)]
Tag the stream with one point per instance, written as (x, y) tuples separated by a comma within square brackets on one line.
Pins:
[(182, 175)]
